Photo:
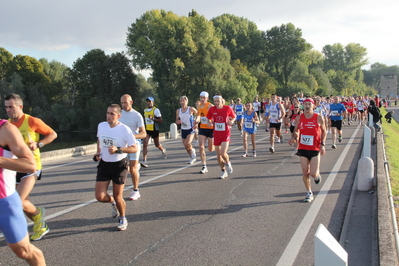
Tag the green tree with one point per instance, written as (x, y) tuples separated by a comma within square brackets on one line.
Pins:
[(241, 37), (184, 54), (284, 47), (5, 63), (343, 64)]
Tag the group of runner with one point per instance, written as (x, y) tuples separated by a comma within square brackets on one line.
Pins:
[(121, 136)]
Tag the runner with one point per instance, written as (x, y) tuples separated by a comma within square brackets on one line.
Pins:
[(221, 118), (184, 117), (276, 114), (310, 129), (152, 118), (115, 141), (361, 105), (134, 120), (257, 105), (292, 115), (239, 109), (250, 121), (337, 111), (205, 131), (15, 156), (31, 128)]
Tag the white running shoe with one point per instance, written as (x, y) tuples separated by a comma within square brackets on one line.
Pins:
[(164, 155), (115, 212), (229, 168), (271, 149), (144, 164), (278, 140), (204, 170), (309, 197), (135, 195), (192, 160), (223, 174), (122, 225)]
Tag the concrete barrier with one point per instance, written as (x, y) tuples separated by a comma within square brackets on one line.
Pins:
[(173, 131), (327, 250), (84, 150), (366, 142), (366, 175)]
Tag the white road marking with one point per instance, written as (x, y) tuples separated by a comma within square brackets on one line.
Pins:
[(291, 251)]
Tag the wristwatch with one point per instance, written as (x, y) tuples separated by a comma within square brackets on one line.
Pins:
[(40, 144), (322, 144), (119, 150)]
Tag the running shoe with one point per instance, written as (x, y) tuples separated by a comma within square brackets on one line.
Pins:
[(334, 146), (340, 138), (195, 143), (229, 168), (122, 224), (254, 154), (115, 212), (278, 140), (267, 130), (281, 139), (271, 149), (38, 219), (144, 164), (309, 197), (223, 174), (204, 170), (135, 195), (286, 132), (40, 233), (192, 160), (245, 155), (296, 152), (164, 155), (317, 180)]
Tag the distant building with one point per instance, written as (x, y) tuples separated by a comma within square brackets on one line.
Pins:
[(389, 86)]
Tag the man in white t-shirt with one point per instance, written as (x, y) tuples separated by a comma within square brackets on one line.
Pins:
[(134, 120), (115, 141)]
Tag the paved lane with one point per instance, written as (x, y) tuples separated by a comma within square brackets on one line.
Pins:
[(253, 217)]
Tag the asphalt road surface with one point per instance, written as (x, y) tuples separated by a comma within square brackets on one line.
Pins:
[(256, 216)]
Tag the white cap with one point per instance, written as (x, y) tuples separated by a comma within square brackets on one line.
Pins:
[(204, 94)]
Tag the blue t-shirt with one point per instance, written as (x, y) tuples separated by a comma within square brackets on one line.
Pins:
[(335, 110)]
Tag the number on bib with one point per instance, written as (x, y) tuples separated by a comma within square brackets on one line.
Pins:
[(220, 126), (307, 140)]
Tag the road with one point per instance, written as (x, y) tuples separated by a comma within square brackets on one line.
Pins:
[(256, 216)]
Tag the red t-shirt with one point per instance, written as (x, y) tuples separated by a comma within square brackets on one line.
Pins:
[(309, 133), (220, 117)]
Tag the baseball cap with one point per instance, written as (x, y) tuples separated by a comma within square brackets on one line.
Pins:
[(150, 98), (204, 94)]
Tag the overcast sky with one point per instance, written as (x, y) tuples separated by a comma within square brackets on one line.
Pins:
[(66, 30)]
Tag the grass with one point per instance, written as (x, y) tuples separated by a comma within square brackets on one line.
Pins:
[(391, 133)]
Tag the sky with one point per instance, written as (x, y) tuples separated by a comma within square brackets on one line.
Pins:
[(65, 30)]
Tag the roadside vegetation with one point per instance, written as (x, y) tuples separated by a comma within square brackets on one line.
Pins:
[(391, 133)]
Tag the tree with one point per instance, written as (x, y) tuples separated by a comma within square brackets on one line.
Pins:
[(241, 37), (343, 64), (184, 54), (100, 80), (284, 47), (5, 63)]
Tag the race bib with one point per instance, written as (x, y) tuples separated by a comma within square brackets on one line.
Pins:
[(220, 126), (184, 125), (148, 121), (204, 120), (334, 113), (307, 140), (248, 124), (239, 113), (108, 141), (274, 116)]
